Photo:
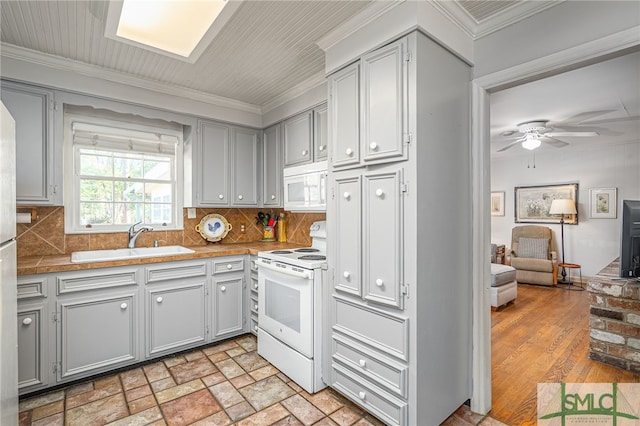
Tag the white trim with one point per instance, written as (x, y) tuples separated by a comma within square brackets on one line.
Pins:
[(299, 89), (480, 173), (69, 65)]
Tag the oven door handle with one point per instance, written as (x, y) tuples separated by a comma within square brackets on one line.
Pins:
[(287, 271)]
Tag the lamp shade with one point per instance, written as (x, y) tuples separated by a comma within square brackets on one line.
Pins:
[(563, 206)]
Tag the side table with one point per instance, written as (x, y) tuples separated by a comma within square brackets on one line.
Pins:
[(571, 266)]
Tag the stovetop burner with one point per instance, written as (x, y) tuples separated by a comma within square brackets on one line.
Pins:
[(282, 252), (312, 257), (307, 250)]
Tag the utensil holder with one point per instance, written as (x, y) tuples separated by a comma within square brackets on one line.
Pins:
[(269, 233)]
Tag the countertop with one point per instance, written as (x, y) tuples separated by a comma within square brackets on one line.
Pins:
[(61, 263)]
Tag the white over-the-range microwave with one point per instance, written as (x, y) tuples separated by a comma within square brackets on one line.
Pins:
[(305, 187)]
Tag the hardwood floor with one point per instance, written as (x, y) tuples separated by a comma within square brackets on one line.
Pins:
[(542, 338)]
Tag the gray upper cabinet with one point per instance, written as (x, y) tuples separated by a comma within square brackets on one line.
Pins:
[(244, 167), (213, 184), (320, 133), (298, 139), (32, 109), (344, 96), (272, 167)]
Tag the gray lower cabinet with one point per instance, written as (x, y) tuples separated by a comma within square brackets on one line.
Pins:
[(228, 301)]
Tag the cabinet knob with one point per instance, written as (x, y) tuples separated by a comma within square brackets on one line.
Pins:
[(321, 148), (346, 274), (362, 363), (349, 152), (373, 146), (255, 307), (27, 321), (223, 289), (379, 282), (255, 327), (240, 197), (255, 286), (229, 266), (123, 306), (379, 192), (273, 197), (220, 196), (346, 195), (304, 152), (159, 299), (362, 395)]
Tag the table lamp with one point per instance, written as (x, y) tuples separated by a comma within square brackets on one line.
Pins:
[(562, 207)]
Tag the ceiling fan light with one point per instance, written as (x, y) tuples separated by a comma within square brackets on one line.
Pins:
[(531, 142)]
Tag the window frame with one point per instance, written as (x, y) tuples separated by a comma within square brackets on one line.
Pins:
[(72, 177)]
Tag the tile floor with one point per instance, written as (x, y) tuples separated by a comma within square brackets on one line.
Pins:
[(223, 384)]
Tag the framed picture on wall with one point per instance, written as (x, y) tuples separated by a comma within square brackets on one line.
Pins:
[(603, 203), (497, 203), (532, 203)]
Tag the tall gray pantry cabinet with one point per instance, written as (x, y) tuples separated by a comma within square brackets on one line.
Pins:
[(398, 334)]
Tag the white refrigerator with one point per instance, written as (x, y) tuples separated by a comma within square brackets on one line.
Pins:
[(8, 274)]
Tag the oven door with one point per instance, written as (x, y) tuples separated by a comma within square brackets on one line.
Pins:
[(285, 304)]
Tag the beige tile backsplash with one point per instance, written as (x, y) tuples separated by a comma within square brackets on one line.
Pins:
[(46, 235)]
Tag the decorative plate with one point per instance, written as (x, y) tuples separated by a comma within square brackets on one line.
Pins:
[(213, 227)]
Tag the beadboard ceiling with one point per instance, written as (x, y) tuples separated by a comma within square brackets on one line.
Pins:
[(267, 49)]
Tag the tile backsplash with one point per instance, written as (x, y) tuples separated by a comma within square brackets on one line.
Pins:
[(45, 236)]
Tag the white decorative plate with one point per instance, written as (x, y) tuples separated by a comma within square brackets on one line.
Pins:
[(213, 227)]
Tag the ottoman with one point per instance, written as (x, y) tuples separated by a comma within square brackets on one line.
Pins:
[(504, 287)]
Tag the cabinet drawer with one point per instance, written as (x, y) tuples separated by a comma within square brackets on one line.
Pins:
[(254, 304), (388, 374), (72, 283), (254, 266), (163, 273), (384, 332), (389, 409), (32, 288), (254, 325), (228, 265), (254, 285)]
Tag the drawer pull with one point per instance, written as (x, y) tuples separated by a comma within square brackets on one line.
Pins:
[(229, 266), (346, 195), (346, 274), (220, 196), (362, 395), (123, 306), (349, 152), (255, 307), (363, 363), (223, 289), (321, 148), (373, 146), (255, 286), (240, 197), (379, 192), (304, 152), (27, 321), (379, 282), (255, 327), (159, 299)]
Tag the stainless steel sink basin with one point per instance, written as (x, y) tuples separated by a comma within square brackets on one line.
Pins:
[(126, 253)]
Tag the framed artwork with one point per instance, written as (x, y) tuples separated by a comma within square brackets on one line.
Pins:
[(497, 203), (602, 203), (532, 203)]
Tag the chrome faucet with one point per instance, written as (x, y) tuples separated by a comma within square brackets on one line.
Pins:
[(133, 234)]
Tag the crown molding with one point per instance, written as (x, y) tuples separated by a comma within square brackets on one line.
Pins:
[(70, 65), (297, 90), (478, 29), (350, 26)]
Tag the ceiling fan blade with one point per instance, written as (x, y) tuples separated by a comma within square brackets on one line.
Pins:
[(582, 117), (554, 142), (554, 134), (504, 148)]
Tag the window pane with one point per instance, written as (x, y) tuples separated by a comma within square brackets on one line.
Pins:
[(96, 214), (158, 192), (157, 213), (128, 191), (127, 167), (157, 170), (95, 165), (96, 190), (128, 213)]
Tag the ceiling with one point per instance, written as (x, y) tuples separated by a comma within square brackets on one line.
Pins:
[(602, 98), (265, 50)]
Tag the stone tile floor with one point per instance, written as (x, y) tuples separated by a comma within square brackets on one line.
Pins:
[(223, 384)]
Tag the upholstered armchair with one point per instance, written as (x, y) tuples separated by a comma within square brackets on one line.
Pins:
[(533, 255)]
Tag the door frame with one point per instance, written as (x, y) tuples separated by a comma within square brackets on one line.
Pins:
[(588, 53)]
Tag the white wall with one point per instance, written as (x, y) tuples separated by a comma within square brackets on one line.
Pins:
[(593, 243)]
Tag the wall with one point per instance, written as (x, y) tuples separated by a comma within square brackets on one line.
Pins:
[(593, 243), (46, 236)]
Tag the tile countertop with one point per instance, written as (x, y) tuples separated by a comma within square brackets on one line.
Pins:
[(46, 264)]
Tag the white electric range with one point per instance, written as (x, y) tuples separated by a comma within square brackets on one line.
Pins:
[(290, 309)]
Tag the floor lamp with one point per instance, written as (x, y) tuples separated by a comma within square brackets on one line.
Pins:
[(563, 207)]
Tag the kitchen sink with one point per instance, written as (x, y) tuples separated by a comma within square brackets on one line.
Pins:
[(126, 253)]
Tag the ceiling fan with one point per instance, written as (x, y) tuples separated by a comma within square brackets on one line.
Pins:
[(534, 133)]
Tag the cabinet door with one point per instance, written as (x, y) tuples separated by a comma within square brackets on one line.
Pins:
[(244, 160), (32, 346), (213, 186), (96, 334), (228, 309), (384, 82), (320, 133), (344, 122), (272, 167), (348, 222), (176, 316), (31, 109), (382, 242), (298, 134)]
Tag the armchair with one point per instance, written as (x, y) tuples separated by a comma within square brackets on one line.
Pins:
[(533, 255)]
